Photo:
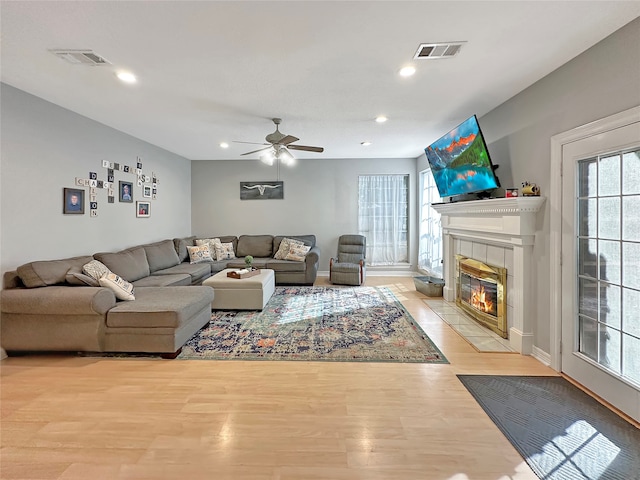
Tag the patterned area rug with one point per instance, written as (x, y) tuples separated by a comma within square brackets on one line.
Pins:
[(560, 431), (341, 324)]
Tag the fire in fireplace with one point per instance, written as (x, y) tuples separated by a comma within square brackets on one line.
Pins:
[(481, 292)]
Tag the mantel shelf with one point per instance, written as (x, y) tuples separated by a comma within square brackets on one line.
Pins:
[(505, 206)]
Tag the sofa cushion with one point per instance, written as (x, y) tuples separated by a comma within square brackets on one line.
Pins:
[(285, 266), (199, 254), (122, 289), (285, 246), (76, 277), (95, 269), (158, 307), (306, 239), (175, 280), (224, 251), (49, 272), (197, 272), (130, 264), (255, 245), (161, 255), (181, 245), (212, 242), (297, 252)]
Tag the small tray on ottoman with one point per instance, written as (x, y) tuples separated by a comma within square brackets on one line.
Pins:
[(241, 274)]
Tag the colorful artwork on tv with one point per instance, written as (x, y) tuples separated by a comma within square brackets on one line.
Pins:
[(460, 161)]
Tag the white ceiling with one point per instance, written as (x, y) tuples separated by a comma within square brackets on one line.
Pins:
[(214, 71)]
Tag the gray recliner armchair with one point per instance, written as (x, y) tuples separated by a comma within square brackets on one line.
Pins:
[(349, 267)]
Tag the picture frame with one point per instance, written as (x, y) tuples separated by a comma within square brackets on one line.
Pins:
[(267, 190), (146, 191), (73, 201), (143, 209), (125, 191)]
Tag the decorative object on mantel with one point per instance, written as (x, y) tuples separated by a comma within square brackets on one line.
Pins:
[(261, 190), (530, 189), (511, 192)]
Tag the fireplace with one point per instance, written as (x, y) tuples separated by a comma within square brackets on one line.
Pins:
[(481, 292), (477, 230)]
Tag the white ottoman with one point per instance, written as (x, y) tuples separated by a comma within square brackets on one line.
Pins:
[(251, 293)]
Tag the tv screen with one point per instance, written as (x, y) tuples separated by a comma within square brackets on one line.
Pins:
[(460, 161)]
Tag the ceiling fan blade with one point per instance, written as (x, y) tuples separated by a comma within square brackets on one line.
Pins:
[(256, 151), (306, 148), (288, 139), (251, 143)]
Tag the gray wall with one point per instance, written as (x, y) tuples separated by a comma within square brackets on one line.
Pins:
[(320, 198), (44, 147), (602, 81)]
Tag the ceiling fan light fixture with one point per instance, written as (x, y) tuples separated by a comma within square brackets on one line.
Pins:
[(268, 157), (285, 156)]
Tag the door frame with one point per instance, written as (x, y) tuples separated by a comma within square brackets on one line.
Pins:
[(555, 218)]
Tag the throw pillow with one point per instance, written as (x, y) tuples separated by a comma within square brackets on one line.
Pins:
[(120, 287), (199, 254), (298, 252), (76, 277), (95, 269), (225, 251), (212, 242), (285, 246)]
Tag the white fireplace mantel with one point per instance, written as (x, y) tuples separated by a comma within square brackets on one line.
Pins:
[(507, 222)]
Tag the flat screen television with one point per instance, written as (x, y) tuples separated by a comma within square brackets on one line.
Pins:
[(460, 161)]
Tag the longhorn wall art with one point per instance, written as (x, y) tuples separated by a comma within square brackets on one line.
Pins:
[(261, 190)]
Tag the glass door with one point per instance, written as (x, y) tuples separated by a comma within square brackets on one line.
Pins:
[(601, 265)]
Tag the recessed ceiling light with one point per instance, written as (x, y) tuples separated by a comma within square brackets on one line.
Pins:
[(224, 145), (407, 71), (365, 144), (381, 119), (127, 77)]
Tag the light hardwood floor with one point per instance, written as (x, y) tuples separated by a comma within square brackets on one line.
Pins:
[(75, 418)]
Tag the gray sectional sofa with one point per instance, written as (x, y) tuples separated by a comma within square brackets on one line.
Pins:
[(262, 248), (47, 305)]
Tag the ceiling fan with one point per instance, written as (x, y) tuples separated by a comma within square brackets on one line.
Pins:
[(278, 146)]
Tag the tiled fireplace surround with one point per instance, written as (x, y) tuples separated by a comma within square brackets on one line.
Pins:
[(498, 232)]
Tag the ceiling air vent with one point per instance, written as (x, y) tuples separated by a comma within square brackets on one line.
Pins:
[(81, 57), (432, 51)]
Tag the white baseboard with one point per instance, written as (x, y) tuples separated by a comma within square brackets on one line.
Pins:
[(521, 342), (380, 273), (542, 356)]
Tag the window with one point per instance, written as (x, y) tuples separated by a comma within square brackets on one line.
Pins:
[(382, 217), (430, 246)]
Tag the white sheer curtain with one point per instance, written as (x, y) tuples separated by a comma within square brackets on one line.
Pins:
[(430, 246), (382, 217)]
